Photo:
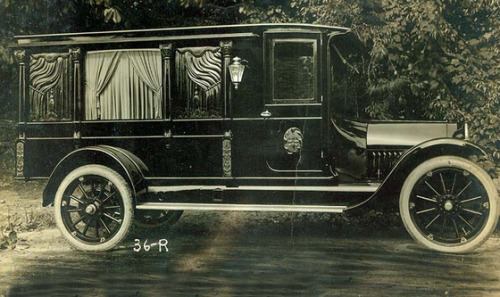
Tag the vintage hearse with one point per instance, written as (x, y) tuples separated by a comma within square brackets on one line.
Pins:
[(140, 125)]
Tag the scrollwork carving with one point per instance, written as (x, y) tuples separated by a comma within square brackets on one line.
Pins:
[(226, 47), (198, 51), (198, 80), (76, 54), (49, 57), (226, 155), (49, 87), (166, 51), (20, 55), (20, 159), (293, 140)]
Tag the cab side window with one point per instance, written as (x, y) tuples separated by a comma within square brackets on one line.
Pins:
[(293, 71), (348, 84)]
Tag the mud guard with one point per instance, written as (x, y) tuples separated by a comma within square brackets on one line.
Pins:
[(120, 160), (416, 155)]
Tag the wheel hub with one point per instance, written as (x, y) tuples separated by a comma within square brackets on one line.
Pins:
[(448, 205), (91, 209)]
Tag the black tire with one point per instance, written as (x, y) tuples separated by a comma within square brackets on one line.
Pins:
[(449, 204), (94, 209), (156, 218)]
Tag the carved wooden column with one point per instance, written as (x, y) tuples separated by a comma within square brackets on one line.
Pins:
[(166, 57), (76, 56), (20, 143), (226, 47), (22, 113), (226, 154), (20, 57)]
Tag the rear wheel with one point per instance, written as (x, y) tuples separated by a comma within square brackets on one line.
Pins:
[(449, 204), (156, 218), (94, 208)]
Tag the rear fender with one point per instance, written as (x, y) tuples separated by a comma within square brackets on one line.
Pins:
[(124, 162)]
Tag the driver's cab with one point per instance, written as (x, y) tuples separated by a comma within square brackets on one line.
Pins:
[(284, 139), (305, 88)]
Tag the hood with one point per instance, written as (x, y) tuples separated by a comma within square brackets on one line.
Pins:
[(406, 133)]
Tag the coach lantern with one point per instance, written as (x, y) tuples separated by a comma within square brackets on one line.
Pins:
[(236, 70)]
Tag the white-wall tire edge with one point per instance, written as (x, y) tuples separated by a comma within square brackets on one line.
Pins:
[(126, 195)]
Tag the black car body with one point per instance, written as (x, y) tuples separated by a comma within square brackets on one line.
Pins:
[(240, 117)]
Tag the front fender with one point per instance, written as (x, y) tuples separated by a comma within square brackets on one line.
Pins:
[(419, 153), (120, 160)]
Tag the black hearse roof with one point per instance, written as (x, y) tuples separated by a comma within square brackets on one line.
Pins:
[(160, 34)]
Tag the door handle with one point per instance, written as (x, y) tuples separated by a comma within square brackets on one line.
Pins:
[(265, 114)]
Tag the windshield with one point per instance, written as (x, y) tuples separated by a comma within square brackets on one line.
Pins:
[(348, 86)]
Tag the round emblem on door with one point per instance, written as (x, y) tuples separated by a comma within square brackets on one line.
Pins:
[(293, 140)]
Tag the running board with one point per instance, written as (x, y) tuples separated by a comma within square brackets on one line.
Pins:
[(239, 207), (369, 188)]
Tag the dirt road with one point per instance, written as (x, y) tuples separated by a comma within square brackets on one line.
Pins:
[(233, 254)]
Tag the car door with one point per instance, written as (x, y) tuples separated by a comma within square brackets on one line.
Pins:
[(292, 109)]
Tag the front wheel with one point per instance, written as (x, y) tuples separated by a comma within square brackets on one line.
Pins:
[(94, 208), (449, 204)]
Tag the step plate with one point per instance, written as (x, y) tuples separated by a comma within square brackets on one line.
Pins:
[(370, 188), (239, 207)]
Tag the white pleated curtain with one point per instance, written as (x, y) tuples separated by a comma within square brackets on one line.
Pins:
[(123, 85)]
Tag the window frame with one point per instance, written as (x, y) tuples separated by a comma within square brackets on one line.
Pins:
[(300, 39), (164, 111), (337, 107)]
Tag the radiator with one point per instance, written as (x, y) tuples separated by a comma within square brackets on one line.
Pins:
[(381, 161)]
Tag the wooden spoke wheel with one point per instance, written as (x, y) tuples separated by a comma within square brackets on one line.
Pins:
[(449, 204), (94, 208)]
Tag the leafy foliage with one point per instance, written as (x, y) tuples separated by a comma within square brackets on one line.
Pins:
[(429, 59)]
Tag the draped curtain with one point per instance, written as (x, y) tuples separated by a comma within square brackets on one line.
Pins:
[(123, 85), (100, 67), (147, 66)]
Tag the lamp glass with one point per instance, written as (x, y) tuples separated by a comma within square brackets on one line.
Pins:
[(236, 70)]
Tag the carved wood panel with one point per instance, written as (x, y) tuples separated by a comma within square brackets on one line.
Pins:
[(50, 87), (198, 78)]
